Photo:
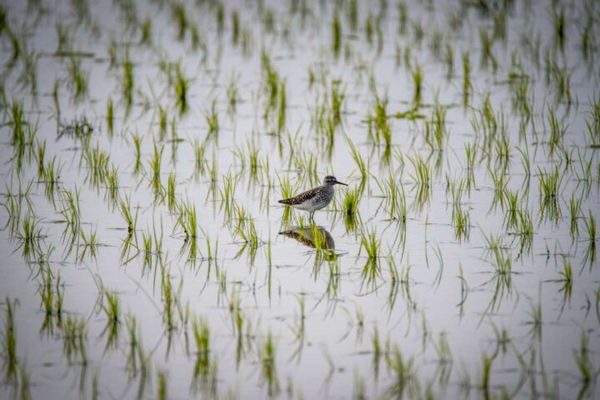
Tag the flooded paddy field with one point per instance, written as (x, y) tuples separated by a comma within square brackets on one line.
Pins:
[(144, 148)]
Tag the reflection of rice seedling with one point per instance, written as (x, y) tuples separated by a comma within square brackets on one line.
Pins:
[(486, 373), (583, 362), (127, 83), (232, 94), (203, 367), (74, 339), (161, 385), (403, 373), (9, 341), (336, 35), (268, 360), (417, 79), (466, 86)]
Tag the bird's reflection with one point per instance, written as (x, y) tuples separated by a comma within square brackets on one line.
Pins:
[(313, 236)]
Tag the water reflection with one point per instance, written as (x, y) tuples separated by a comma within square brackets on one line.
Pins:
[(313, 236)]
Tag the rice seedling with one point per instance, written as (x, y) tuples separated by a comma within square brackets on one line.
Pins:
[(112, 185), (181, 88), (359, 161), (112, 311), (110, 116), (470, 153), (566, 279), (97, 162), (422, 180), (171, 200), (487, 52), (29, 237), (155, 167), (371, 244), (590, 226), (146, 33), (227, 195), (574, 213), (501, 260), (71, 213), (245, 230), (350, 207), (379, 124), (557, 132), (127, 83), (462, 222), (549, 187), (232, 94), (500, 181), (187, 220), (40, 157), (282, 107), (77, 80), (52, 298), (212, 120), (89, 243), (137, 149), (435, 128), (162, 123)]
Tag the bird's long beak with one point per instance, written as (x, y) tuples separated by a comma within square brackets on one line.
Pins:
[(341, 183)]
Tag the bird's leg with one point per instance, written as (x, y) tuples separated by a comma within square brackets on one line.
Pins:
[(312, 215)]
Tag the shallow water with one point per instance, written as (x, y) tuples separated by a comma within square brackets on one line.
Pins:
[(285, 316)]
